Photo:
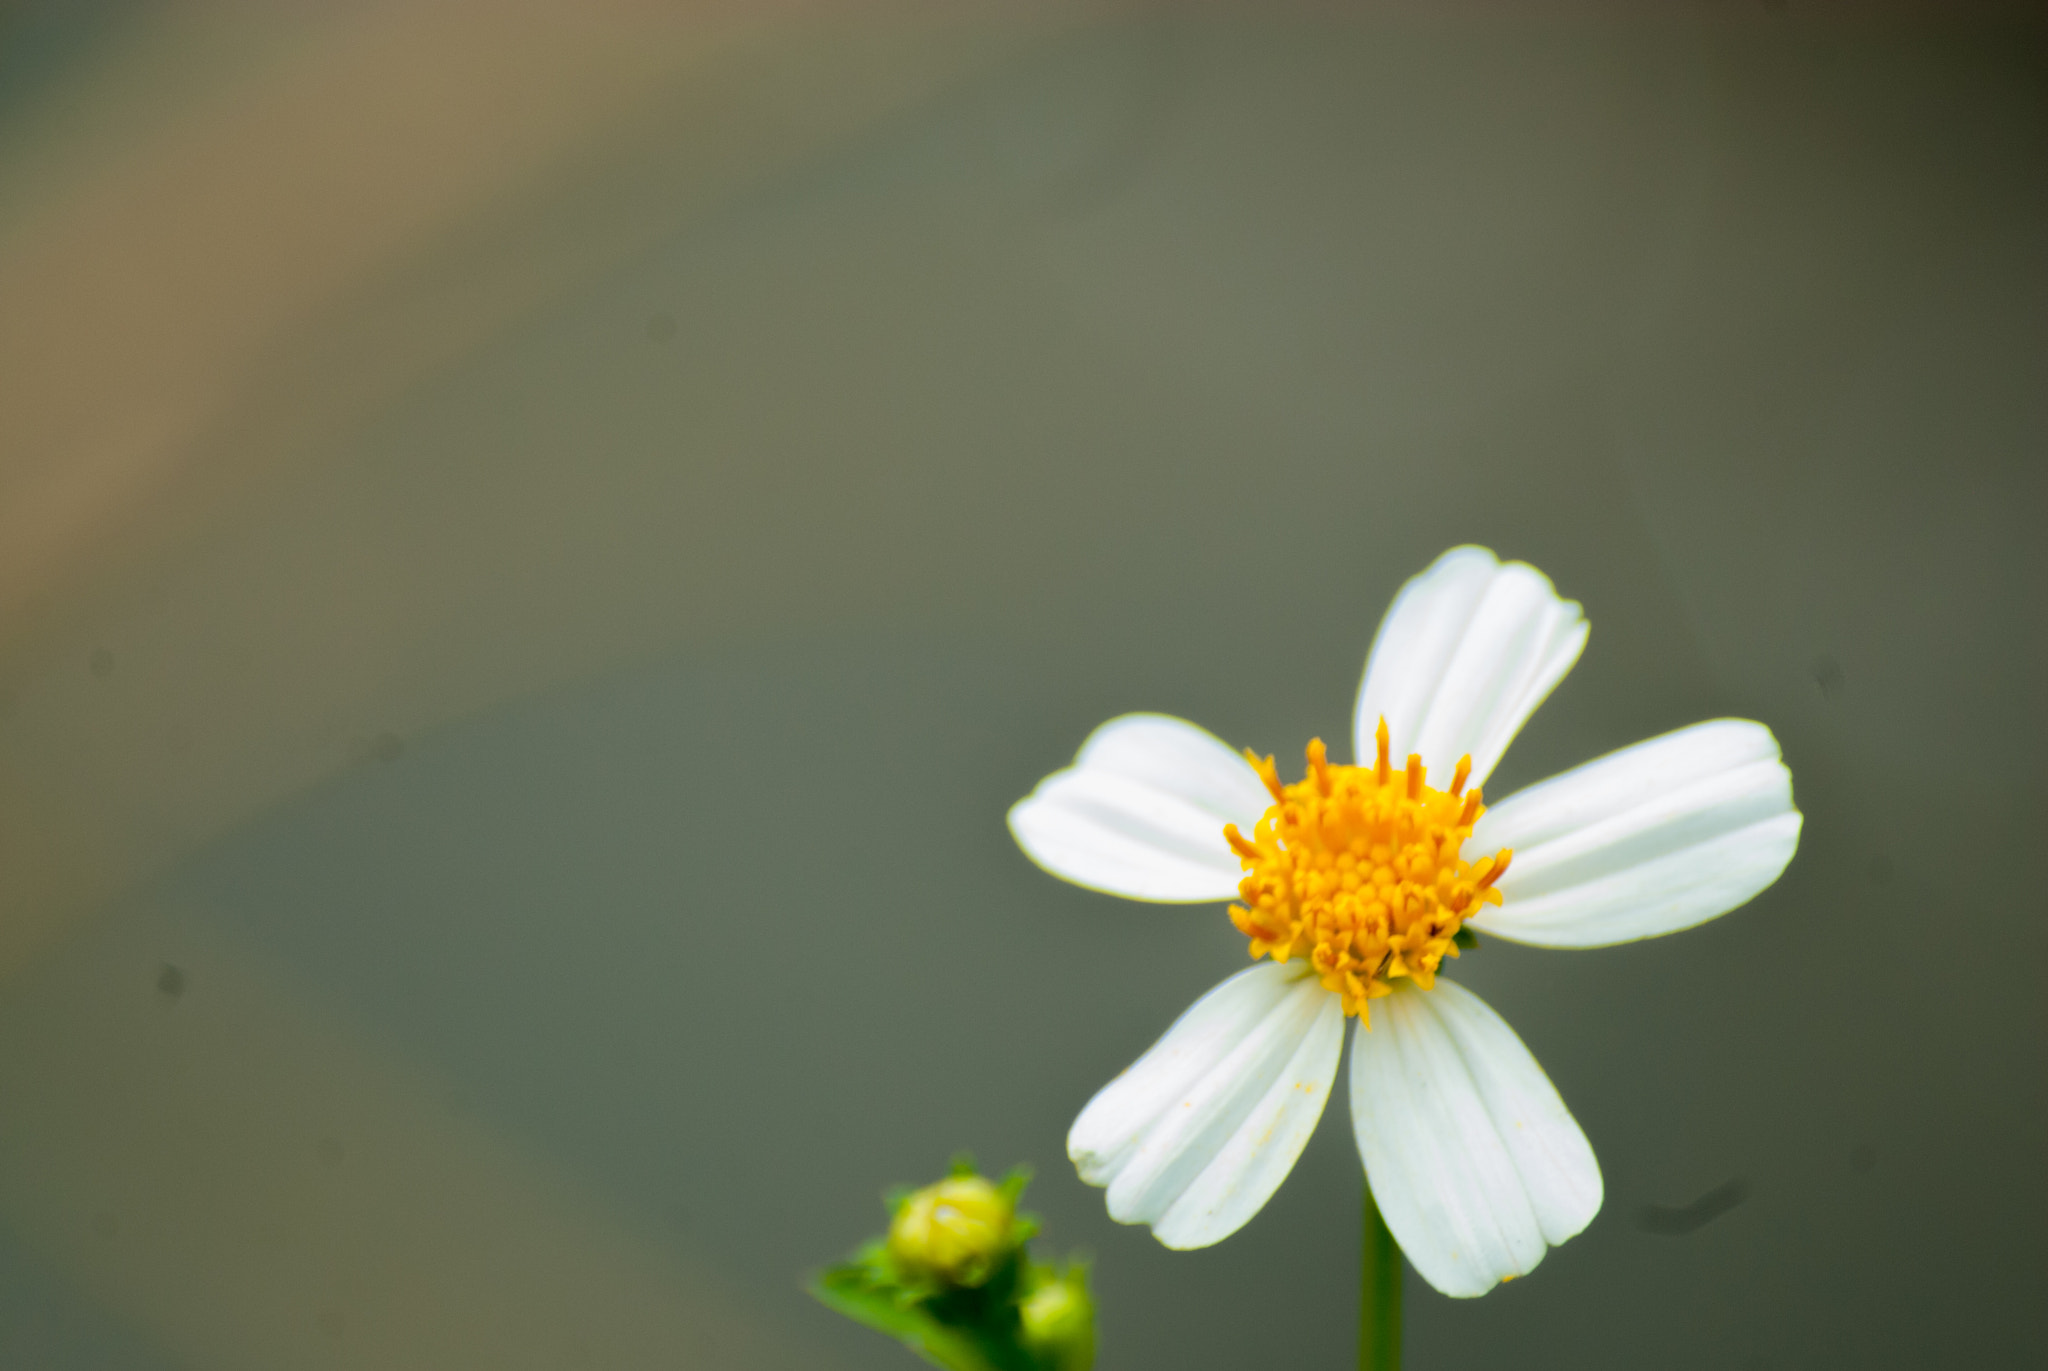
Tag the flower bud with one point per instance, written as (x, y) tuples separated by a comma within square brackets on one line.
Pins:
[(955, 1232), (1059, 1320)]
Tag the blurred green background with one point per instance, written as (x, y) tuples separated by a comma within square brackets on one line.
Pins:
[(538, 543)]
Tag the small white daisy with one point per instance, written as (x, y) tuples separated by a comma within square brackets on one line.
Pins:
[(1354, 883)]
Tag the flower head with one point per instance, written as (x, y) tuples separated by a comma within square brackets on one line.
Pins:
[(1355, 884), (1058, 1317), (954, 1231)]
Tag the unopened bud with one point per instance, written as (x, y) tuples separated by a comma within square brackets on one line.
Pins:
[(955, 1231), (1059, 1321)]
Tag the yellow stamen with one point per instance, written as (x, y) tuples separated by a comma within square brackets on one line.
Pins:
[(1268, 773), (1357, 870), (1498, 867), (1319, 764)]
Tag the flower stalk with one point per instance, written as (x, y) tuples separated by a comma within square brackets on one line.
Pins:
[(1379, 1294)]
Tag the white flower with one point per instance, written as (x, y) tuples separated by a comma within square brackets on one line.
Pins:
[(1355, 882)]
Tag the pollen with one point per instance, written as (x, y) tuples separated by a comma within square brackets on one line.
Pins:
[(1360, 870)]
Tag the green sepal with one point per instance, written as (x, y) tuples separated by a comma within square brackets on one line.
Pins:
[(1465, 938)]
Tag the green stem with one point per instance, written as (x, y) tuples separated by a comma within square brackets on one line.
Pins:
[(1379, 1295)]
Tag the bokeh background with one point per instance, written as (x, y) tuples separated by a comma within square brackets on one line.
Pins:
[(539, 541)]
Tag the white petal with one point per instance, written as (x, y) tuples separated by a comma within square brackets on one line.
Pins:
[(1141, 812), (1467, 651), (1197, 1135), (1473, 1160), (1648, 840)]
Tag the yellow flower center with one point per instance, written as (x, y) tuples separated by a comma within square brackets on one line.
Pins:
[(1358, 869)]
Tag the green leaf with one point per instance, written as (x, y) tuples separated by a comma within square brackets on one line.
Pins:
[(846, 1290)]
